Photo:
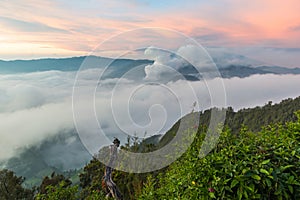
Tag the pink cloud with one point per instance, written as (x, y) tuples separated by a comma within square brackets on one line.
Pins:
[(221, 23)]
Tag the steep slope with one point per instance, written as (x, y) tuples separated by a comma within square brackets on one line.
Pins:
[(252, 118)]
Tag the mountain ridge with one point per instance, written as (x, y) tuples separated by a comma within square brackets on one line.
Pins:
[(119, 67)]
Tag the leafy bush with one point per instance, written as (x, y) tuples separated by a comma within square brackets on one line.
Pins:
[(263, 165), (59, 192)]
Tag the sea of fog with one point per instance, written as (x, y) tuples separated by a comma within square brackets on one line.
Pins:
[(37, 106)]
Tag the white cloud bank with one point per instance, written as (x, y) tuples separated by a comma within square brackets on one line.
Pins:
[(37, 106)]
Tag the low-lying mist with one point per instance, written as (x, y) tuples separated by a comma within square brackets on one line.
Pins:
[(37, 106)]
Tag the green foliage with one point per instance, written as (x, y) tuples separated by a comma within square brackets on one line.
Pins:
[(96, 195), (263, 165), (58, 187), (269, 114), (11, 186), (149, 187), (62, 191), (91, 177), (53, 180)]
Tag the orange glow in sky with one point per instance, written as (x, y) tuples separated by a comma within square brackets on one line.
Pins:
[(32, 29)]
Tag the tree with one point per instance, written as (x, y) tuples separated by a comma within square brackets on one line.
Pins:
[(54, 180), (11, 186)]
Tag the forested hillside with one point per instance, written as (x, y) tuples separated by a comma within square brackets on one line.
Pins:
[(257, 157), (253, 118)]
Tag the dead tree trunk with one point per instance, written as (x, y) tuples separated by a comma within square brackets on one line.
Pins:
[(111, 188)]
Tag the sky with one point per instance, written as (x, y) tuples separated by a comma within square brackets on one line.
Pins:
[(266, 30)]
